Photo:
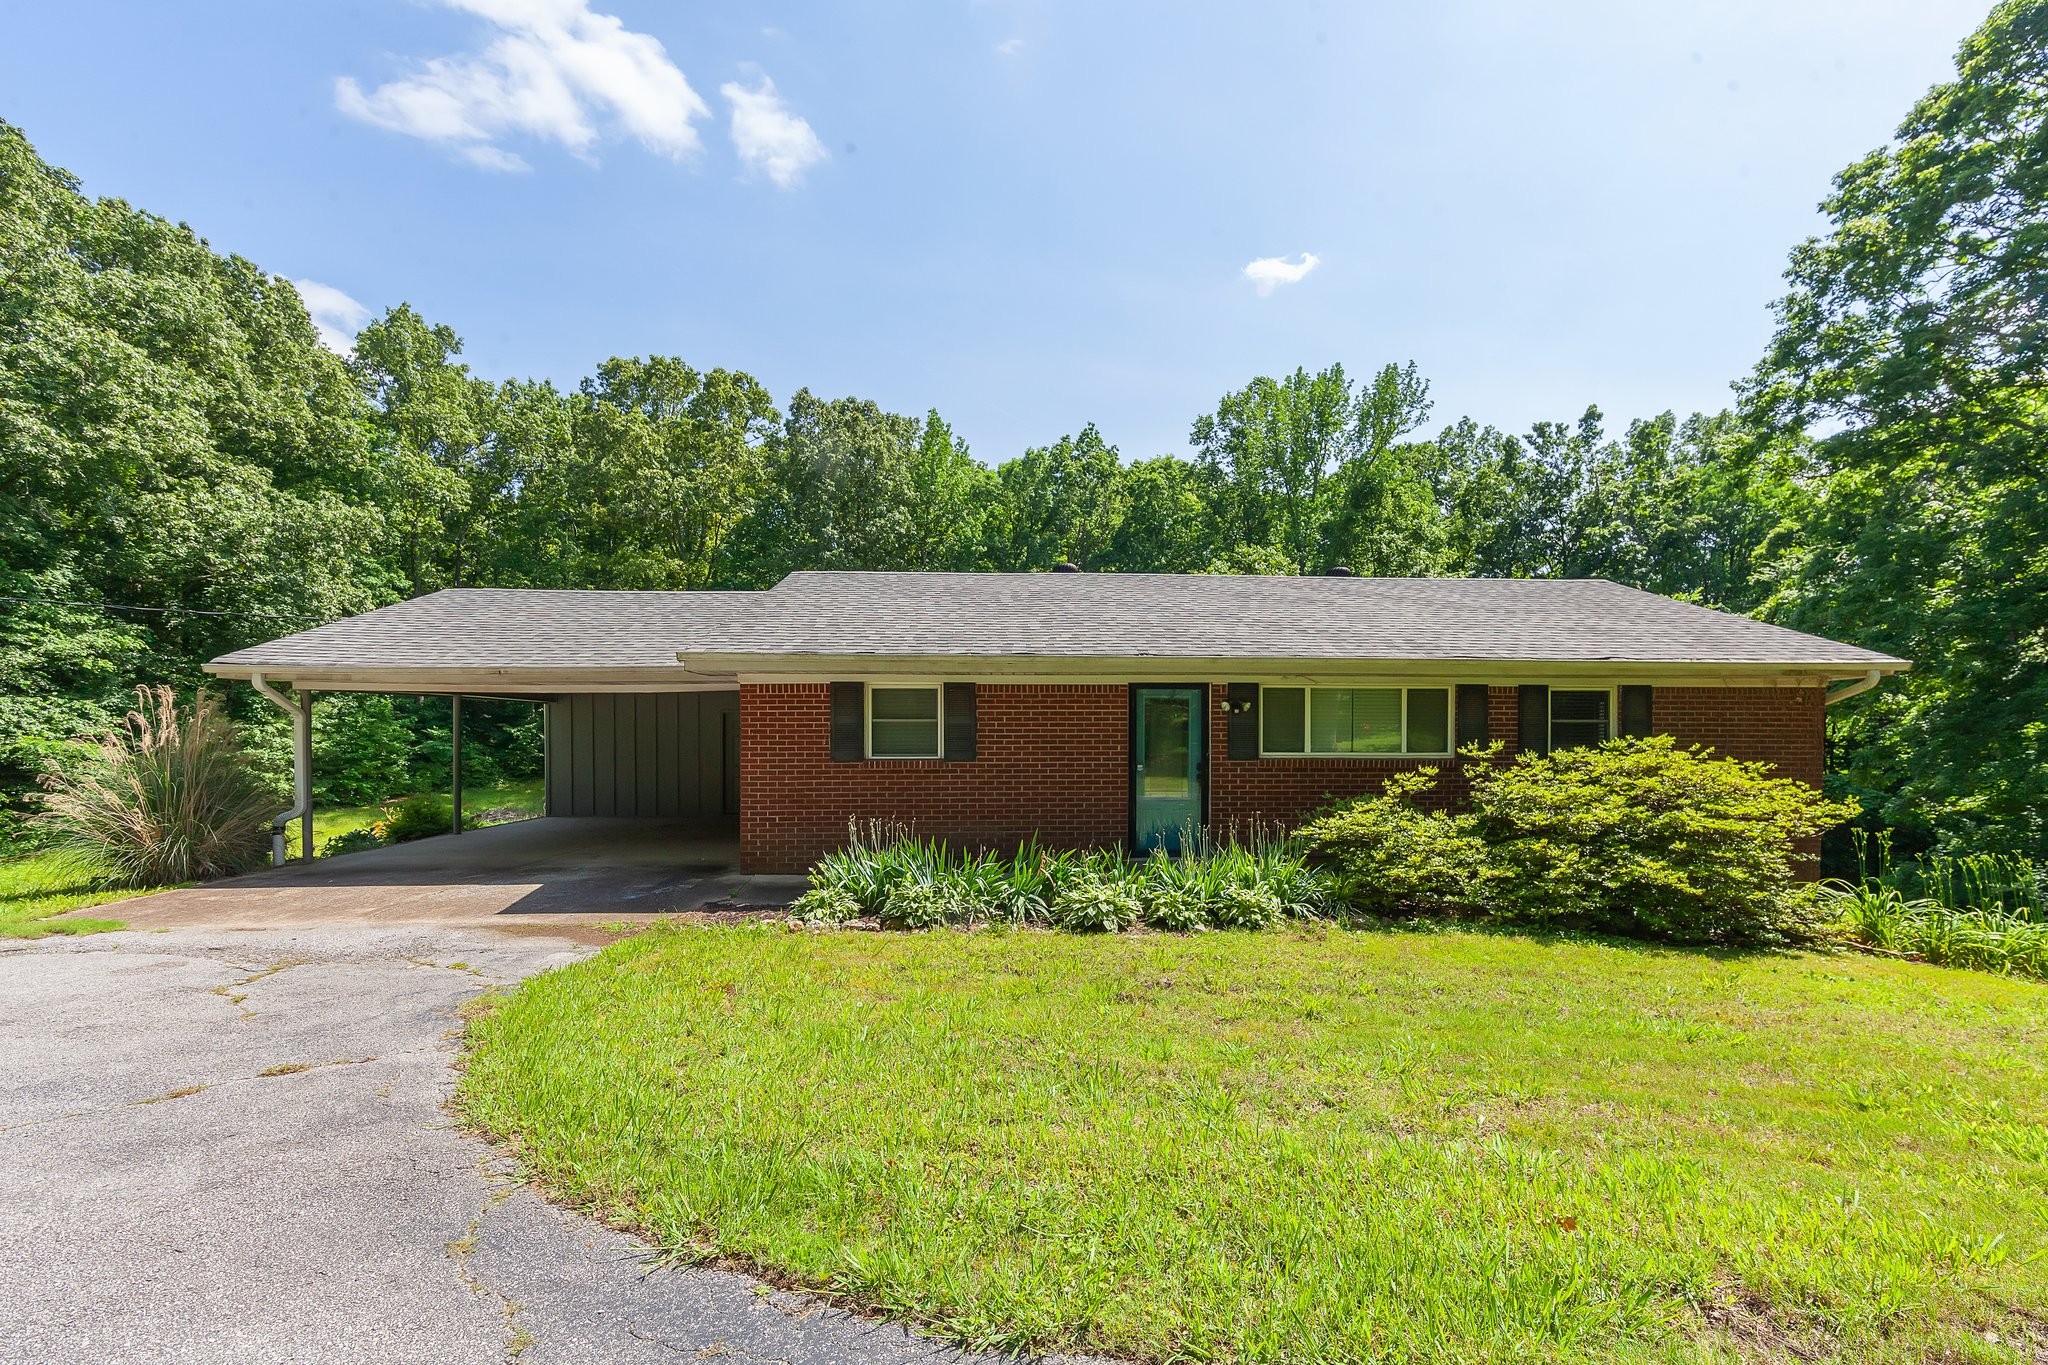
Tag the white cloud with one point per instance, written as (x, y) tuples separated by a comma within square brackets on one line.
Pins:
[(336, 316), (552, 72), (768, 137), (1270, 272), (1010, 47)]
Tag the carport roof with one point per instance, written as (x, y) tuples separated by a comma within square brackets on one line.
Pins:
[(530, 639), (515, 634)]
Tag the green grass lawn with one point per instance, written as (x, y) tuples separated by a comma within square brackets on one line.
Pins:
[(526, 798), (34, 888), (1310, 1145)]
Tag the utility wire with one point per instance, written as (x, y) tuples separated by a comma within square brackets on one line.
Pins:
[(165, 611)]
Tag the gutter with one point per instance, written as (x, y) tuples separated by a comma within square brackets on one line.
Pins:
[(301, 810), (1854, 689)]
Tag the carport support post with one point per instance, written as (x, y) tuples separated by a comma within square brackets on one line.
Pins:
[(455, 755), (302, 774)]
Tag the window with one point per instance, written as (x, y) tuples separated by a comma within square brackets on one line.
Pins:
[(1355, 720), (1578, 719), (903, 722)]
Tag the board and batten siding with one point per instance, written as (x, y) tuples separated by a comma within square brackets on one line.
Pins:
[(671, 755)]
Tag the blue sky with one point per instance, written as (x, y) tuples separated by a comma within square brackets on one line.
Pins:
[(1029, 216)]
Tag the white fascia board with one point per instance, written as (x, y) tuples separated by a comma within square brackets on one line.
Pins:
[(538, 682), (1072, 671)]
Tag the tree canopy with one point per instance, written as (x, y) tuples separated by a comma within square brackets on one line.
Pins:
[(184, 469)]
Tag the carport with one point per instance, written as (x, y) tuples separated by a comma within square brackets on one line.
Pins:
[(631, 736), (553, 870)]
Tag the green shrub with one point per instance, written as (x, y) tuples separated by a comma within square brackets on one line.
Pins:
[(1392, 859), (1642, 837), (1989, 917), (351, 841), (1176, 894), (913, 884), (416, 817), (914, 903), (1100, 896), (169, 796), (825, 905), (1246, 905), (1988, 939), (1302, 891)]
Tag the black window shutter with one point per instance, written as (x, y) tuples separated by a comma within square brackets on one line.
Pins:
[(1241, 703), (959, 722), (1635, 712), (1473, 720), (1533, 703), (849, 720)]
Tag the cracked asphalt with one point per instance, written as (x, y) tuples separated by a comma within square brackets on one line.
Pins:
[(226, 1145)]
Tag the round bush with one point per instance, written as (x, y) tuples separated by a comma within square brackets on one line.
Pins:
[(1176, 908), (917, 904), (1088, 902), (825, 905), (1247, 905)]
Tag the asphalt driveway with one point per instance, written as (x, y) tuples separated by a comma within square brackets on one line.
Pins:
[(224, 1145)]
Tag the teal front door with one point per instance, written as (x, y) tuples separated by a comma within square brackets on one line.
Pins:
[(1168, 765)]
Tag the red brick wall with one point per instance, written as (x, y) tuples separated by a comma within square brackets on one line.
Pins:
[(1776, 725), (1285, 790), (1052, 763)]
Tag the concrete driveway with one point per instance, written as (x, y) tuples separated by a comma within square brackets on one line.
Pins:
[(547, 871), (222, 1145)]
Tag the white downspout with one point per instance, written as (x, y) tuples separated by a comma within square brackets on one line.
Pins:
[(1855, 689), (301, 713)]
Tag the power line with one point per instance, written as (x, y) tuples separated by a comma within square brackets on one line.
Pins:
[(163, 611)]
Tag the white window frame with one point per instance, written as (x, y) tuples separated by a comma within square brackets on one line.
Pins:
[(1308, 712), (1550, 707), (867, 726)]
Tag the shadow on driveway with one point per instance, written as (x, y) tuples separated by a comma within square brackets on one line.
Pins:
[(549, 870)]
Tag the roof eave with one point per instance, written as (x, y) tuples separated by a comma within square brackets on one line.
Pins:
[(786, 666)]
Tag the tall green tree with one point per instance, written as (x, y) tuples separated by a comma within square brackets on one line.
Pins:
[(847, 488), (1913, 345), (1168, 521), (1310, 466), (1061, 502), (669, 461)]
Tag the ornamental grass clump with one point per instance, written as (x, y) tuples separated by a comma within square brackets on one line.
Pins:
[(169, 796), (1984, 911)]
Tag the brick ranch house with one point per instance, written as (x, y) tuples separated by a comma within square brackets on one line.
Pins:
[(1081, 709)]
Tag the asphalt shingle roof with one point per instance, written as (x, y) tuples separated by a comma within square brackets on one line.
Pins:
[(1101, 616), (492, 628), (1203, 616)]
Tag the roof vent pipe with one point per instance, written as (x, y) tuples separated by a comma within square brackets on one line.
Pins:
[(1339, 571), (1066, 566)]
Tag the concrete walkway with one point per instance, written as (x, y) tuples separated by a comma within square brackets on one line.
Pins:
[(231, 1146), (546, 871)]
